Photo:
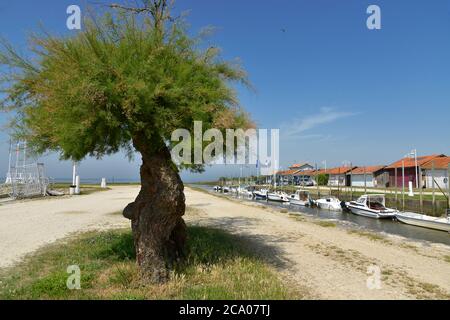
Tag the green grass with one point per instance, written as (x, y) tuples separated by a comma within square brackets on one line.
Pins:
[(325, 224), (370, 235), (218, 267)]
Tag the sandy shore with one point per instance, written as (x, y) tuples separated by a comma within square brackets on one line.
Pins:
[(27, 225), (330, 262), (321, 261)]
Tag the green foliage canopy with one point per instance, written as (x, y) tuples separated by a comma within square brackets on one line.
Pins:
[(118, 81)]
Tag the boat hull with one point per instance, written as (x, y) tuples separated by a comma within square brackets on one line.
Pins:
[(258, 196), (301, 203), (369, 213), (277, 198), (328, 205), (435, 225)]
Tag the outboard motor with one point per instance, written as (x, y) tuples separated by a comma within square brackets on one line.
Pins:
[(344, 206)]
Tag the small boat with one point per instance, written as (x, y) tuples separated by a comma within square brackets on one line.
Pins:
[(245, 193), (225, 190), (372, 206), (330, 203), (277, 196), (300, 198), (421, 220), (260, 194), (217, 188)]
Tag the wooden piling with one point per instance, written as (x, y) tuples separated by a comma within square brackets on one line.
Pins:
[(351, 181), (421, 189), (448, 186), (365, 181), (403, 185), (433, 186), (396, 186)]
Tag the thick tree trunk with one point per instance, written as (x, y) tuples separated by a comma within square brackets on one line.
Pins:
[(158, 228)]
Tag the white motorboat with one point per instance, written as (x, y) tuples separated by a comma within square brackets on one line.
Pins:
[(300, 198), (372, 206), (277, 196), (260, 194), (225, 190), (330, 203), (421, 220), (245, 193)]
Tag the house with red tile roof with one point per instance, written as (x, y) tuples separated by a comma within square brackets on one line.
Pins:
[(437, 169), (338, 176), (370, 176), (409, 164), (301, 166)]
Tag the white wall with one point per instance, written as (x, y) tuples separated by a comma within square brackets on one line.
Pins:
[(336, 180), (358, 180), (439, 176)]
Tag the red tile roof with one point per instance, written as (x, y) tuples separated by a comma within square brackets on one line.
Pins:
[(367, 170), (410, 162), (299, 165), (306, 173), (287, 172), (439, 163), (339, 170)]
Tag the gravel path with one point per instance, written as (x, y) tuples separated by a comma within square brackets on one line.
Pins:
[(27, 225), (328, 261)]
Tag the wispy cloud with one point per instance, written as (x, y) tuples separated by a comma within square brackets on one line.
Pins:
[(298, 126)]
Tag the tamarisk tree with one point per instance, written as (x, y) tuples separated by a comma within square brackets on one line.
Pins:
[(125, 82)]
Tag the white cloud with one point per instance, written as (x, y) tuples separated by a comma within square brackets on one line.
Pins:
[(298, 126)]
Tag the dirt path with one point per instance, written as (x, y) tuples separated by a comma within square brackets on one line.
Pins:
[(321, 261), (26, 226), (326, 261)]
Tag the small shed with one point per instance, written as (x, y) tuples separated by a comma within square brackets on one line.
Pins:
[(441, 173), (371, 177), (338, 176)]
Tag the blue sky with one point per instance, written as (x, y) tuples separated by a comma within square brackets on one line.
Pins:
[(337, 90)]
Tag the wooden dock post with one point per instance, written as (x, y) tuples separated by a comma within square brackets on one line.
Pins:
[(317, 182), (351, 181), (396, 190), (421, 189), (448, 186), (433, 185), (365, 181), (403, 185)]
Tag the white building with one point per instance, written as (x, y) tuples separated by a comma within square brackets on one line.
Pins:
[(441, 173), (370, 177)]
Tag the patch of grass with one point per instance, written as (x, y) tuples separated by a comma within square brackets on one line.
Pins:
[(447, 259), (297, 217), (218, 267), (370, 235), (284, 211), (325, 224)]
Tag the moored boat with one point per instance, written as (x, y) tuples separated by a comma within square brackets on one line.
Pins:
[(371, 206), (300, 198), (421, 220), (330, 203), (277, 196), (260, 194)]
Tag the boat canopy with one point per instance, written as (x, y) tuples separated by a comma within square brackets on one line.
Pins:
[(378, 198)]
